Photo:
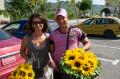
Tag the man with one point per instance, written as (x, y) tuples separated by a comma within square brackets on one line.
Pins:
[(65, 37)]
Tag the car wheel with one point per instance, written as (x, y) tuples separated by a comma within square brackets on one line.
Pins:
[(109, 34)]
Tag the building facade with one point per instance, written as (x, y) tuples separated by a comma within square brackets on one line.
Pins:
[(115, 4), (2, 8)]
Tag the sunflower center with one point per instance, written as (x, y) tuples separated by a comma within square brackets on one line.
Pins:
[(15, 73), (71, 58), (26, 67), (79, 51), (82, 58), (85, 68), (29, 74), (22, 73), (77, 64), (91, 63)]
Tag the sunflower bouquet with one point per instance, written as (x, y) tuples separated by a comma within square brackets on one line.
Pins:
[(79, 64), (23, 71)]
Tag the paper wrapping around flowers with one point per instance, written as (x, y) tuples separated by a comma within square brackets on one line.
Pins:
[(78, 63), (23, 71)]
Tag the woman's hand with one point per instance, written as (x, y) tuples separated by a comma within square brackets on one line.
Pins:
[(24, 56), (51, 64)]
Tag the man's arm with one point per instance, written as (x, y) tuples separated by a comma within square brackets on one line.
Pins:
[(86, 44)]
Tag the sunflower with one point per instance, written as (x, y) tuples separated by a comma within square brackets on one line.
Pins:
[(89, 67), (68, 52), (69, 57), (80, 64), (11, 77), (30, 74), (81, 57), (90, 55), (76, 65), (26, 71), (14, 73), (26, 68), (86, 69), (80, 50), (23, 71), (21, 74), (21, 65), (93, 63)]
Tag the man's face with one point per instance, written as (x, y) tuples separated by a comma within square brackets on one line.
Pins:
[(61, 20)]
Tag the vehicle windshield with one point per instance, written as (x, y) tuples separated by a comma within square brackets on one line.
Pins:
[(4, 35)]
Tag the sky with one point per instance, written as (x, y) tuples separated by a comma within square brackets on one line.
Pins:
[(97, 2)]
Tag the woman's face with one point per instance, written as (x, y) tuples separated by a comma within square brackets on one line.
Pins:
[(37, 24)]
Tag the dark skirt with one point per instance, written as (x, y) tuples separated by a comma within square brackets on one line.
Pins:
[(38, 73), (59, 75)]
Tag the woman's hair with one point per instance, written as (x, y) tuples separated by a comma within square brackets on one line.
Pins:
[(29, 28)]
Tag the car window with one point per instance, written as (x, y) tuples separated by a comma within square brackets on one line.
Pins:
[(105, 21), (88, 22), (12, 27), (112, 21), (4, 35), (101, 21), (98, 21)]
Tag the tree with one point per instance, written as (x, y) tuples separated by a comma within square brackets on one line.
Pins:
[(106, 10), (111, 2), (84, 5), (24, 8), (4, 12)]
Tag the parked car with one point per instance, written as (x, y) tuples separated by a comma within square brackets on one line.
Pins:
[(108, 27), (9, 54), (16, 28)]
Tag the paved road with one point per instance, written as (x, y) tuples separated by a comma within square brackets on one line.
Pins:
[(108, 51)]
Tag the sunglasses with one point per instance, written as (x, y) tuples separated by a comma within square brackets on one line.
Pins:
[(37, 22)]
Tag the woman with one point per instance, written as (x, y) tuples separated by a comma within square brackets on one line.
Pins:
[(35, 45)]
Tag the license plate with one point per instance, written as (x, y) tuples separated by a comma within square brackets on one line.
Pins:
[(8, 60)]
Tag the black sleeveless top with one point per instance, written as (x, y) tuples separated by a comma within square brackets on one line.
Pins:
[(38, 55)]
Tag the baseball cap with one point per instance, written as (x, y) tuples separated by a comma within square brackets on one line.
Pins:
[(61, 12)]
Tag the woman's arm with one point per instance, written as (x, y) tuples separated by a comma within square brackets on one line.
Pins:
[(52, 50), (23, 48), (51, 62)]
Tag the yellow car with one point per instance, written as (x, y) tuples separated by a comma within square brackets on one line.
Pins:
[(108, 27)]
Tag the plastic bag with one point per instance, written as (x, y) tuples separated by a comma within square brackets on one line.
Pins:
[(48, 72)]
